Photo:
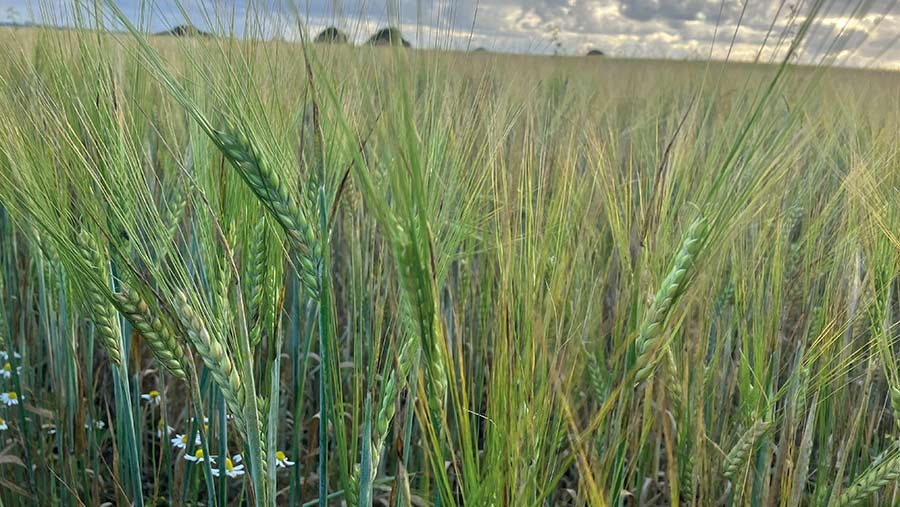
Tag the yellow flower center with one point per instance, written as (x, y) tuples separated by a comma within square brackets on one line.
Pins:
[(229, 466), (184, 439), (2, 420), (280, 456), (12, 395), (154, 394), (7, 367), (199, 454)]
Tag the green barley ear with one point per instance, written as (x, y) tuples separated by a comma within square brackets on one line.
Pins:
[(217, 360), (395, 383), (253, 168), (176, 211), (416, 277), (873, 479), (262, 411), (158, 335), (596, 378), (258, 254), (101, 308), (741, 451), (673, 384), (895, 403), (262, 414), (649, 341)]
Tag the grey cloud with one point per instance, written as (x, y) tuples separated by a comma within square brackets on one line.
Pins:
[(676, 11)]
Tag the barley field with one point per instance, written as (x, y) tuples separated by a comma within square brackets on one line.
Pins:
[(239, 271)]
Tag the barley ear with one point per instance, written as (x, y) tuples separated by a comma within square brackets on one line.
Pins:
[(895, 403), (158, 335), (215, 356), (673, 384), (597, 379), (741, 451), (258, 255), (262, 415), (873, 479), (649, 340), (104, 314), (176, 211), (419, 287), (253, 168), (395, 383)]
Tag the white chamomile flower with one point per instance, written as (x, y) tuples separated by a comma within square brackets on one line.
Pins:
[(10, 398), (159, 429), (5, 356), (3, 426), (198, 457), (6, 372), (50, 428), (152, 397), (230, 469), (97, 424), (282, 461), (180, 441)]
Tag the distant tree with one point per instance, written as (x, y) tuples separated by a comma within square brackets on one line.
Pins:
[(387, 37), (185, 31), (12, 15), (595, 52), (480, 50), (331, 35)]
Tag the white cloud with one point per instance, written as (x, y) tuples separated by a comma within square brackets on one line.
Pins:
[(854, 31)]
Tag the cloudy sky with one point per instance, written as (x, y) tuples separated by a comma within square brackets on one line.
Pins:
[(850, 32)]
